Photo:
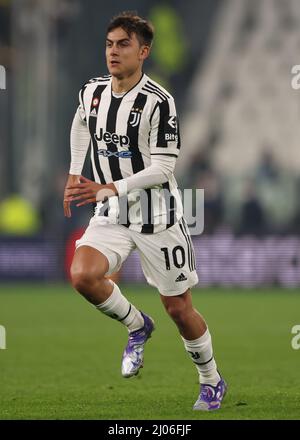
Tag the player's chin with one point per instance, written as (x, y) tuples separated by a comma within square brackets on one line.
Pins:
[(117, 72), (114, 68)]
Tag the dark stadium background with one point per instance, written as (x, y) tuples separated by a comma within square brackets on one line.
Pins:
[(231, 67)]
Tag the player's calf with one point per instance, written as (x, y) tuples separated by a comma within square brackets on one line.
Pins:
[(189, 322)]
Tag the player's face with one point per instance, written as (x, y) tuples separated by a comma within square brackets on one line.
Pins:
[(124, 54)]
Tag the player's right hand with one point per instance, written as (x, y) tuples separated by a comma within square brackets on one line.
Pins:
[(72, 180)]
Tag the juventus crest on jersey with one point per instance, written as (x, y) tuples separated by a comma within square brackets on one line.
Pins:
[(125, 132)]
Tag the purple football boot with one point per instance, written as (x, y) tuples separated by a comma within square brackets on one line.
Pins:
[(133, 355), (210, 398)]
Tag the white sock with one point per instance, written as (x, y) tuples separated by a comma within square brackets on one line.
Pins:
[(118, 307), (201, 354)]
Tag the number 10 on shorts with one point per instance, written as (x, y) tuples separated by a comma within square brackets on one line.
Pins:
[(177, 256)]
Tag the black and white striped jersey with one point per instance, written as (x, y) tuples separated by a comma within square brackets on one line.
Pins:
[(125, 132)]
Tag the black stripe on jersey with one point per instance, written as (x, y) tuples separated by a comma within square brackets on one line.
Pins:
[(147, 217), (92, 127), (152, 91), (134, 118), (164, 114), (93, 179), (124, 211), (163, 154), (170, 204), (156, 91), (114, 162), (190, 241), (155, 87), (188, 246)]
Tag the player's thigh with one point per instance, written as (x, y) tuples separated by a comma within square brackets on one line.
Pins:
[(168, 259), (112, 241)]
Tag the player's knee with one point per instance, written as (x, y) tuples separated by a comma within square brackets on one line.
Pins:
[(83, 279)]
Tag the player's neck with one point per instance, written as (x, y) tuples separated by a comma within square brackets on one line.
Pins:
[(125, 84)]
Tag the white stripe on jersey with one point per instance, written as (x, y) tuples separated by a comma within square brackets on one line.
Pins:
[(125, 132)]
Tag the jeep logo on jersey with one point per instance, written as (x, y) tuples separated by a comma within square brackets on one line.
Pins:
[(114, 138), (121, 154), (135, 116)]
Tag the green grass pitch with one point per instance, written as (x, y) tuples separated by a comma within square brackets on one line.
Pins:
[(63, 356)]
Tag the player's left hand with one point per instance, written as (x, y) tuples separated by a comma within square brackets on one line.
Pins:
[(90, 192)]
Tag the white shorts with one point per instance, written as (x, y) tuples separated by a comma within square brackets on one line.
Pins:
[(167, 257)]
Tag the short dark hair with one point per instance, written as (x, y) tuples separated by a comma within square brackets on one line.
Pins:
[(130, 22)]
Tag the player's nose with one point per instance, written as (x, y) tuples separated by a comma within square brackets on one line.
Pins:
[(114, 50)]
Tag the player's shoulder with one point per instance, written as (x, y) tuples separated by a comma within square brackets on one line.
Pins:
[(104, 79), (157, 90)]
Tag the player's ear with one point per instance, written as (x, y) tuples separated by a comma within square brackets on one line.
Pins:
[(144, 52)]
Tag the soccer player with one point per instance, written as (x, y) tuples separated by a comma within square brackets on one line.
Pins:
[(130, 123)]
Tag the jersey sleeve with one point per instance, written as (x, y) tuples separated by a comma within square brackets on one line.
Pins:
[(164, 131), (81, 108)]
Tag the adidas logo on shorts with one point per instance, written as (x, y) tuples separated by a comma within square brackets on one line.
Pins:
[(181, 277)]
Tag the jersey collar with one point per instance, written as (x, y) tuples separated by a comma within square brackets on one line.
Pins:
[(132, 92)]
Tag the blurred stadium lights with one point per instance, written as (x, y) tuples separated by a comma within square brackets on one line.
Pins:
[(18, 217), (33, 33)]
